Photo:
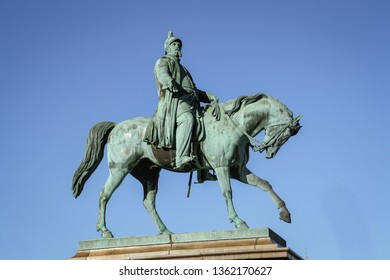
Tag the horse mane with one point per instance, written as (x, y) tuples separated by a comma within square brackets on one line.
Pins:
[(248, 99), (244, 99)]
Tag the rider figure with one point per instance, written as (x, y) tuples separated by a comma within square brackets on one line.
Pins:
[(174, 120)]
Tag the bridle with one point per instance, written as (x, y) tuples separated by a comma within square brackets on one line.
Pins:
[(292, 125), (270, 142), (260, 146)]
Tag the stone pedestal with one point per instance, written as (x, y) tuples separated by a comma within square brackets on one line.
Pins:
[(249, 244)]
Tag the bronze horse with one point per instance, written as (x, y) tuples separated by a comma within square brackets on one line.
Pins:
[(225, 149)]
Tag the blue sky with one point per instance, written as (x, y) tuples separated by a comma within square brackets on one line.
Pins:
[(66, 65)]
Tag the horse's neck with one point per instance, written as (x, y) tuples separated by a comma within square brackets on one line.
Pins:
[(278, 113), (259, 115), (254, 117)]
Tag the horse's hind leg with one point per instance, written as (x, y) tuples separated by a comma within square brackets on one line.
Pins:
[(148, 176), (246, 176), (150, 192), (114, 180)]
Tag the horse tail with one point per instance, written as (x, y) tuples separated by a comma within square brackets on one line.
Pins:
[(94, 152)]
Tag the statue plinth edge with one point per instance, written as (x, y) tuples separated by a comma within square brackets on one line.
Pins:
[(259, 243)]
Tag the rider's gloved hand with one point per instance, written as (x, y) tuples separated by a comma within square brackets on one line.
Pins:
[(212, 97)]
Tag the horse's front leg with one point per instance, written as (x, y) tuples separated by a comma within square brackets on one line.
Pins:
[(246, 176), (223, 175)]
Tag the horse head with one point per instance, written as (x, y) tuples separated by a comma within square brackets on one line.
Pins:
[(278, 134), (277, 121)]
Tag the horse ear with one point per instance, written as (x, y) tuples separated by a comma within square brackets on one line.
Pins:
[(295, 126), (296, 120)]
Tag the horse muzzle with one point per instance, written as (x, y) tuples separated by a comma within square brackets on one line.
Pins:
[(271, 152)]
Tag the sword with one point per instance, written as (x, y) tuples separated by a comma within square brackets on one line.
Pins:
[(189, 184)]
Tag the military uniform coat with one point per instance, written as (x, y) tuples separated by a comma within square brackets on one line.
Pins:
[(169, 73)]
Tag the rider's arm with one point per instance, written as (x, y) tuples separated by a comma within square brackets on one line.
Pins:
[(163, 75)]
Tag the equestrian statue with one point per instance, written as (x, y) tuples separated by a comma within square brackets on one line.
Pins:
[(183, 136)]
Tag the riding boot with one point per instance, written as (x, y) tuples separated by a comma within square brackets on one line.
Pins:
[(205, 175)]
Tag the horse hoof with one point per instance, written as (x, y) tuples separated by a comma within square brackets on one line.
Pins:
[(241, 225), (284, 215), (166, 231), (107, 234)]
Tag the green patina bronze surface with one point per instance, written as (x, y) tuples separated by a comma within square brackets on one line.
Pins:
[(227, 132), (216, 235), (179, 100)]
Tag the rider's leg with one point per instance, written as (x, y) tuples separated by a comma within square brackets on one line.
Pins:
[(185, 124)]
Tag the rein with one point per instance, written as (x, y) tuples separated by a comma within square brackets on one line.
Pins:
[(272, 140), (253, 141), (256, 145)]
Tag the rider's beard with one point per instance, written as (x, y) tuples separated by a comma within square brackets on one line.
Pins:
[(178, 53)]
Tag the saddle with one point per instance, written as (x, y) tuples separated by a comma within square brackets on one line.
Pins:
[(166, 157)]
